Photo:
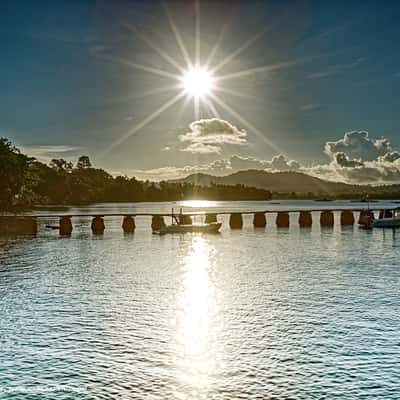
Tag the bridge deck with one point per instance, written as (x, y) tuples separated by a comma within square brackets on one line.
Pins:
[(192, 213)]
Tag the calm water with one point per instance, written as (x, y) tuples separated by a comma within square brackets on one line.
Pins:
[(251, 314)]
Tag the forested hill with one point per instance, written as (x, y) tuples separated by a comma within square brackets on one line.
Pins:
[(278, 182), (24, 181), (290, 184)]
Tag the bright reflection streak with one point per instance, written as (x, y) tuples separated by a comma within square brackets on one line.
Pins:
[(198, 203), (196, 304)]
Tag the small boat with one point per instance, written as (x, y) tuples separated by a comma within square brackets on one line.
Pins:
[(182, 223), (212, 227), (388, 219), (366, 220), (53, 227)]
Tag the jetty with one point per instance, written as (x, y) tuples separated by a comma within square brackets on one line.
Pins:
[(27, 224)]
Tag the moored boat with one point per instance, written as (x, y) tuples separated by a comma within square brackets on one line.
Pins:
[(182, 223), (366, 220), (212, 227), (388, 219)]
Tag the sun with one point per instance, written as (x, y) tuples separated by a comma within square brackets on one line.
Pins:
[(197, 82)]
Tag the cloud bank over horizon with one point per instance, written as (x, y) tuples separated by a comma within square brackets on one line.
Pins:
[(355, 158)]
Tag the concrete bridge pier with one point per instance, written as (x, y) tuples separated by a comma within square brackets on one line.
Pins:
[(157, 222), (236, 221), (128, 224), (347, 218), (327, 219), (305, 219), (98, 225), (65, 228), (282, 219), (259, 220)]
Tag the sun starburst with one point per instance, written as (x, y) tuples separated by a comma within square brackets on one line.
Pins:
[(198, 82)]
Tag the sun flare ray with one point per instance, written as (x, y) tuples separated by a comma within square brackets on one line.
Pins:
[(217, 44), (235, 53), (251, 71), (156, 48), (232, 92), (211, 106), (245, 123), (178, 37), (146, 121), (145, 68), (197, 33), (198, 82)]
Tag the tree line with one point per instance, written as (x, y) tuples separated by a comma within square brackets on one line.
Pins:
[(25, 181)]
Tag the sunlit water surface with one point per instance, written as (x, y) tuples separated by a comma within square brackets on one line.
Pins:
[(250, 314)]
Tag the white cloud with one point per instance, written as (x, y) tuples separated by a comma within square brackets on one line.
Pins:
[(358, 145), (336, 69), (354, 158), (342, 160), (310, 107), (219, 167), (46, 153), (281, 163), (202, 148), (209, 135), (241, 163)]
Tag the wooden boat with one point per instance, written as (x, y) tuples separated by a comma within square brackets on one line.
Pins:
[(183, 224), (366, 220), (212, 227)]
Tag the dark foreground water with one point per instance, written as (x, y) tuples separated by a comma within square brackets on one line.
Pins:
[(251, 314)]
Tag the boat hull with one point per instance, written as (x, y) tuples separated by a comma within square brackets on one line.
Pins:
[(387, 223), (201, 228)]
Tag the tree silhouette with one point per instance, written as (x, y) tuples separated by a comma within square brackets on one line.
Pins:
[(83, 162), (59, 164)]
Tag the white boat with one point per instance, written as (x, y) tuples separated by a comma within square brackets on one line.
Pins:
[(388, 219), (212, 227)]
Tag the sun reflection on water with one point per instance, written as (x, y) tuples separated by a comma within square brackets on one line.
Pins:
[(196, 306), (198, 203)]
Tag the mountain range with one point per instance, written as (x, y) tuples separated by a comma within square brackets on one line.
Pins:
[(279, 182)]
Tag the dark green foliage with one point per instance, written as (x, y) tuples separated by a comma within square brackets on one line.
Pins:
[(26, 181), (13, 173)]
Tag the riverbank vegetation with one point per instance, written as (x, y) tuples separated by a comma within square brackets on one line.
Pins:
[(25, 181)]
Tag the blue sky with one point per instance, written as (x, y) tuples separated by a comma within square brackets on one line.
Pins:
[(67, 88)]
